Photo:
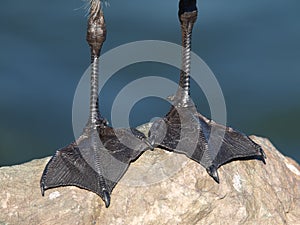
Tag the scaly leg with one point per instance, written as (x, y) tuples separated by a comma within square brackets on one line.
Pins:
[(186, 131), (97, 160)]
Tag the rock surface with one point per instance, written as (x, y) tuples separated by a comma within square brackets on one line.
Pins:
[(162, 188)]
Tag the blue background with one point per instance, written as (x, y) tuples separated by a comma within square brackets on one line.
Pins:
[(252, 47)]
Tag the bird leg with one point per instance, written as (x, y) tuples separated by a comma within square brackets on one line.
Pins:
[(97, 160), (186, 131), (187, 16)]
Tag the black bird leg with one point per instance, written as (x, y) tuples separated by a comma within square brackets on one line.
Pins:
[(186, 131), (97, 160)]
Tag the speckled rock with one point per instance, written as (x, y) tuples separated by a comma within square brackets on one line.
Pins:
[(162, 188)]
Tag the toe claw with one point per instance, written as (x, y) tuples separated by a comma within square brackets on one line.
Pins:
[(42, 186), (106, 198), (149, 144), (212, 171), (263, 156), (43, 191), (263, 153)]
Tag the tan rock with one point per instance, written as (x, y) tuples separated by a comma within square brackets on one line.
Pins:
[(162, 188)]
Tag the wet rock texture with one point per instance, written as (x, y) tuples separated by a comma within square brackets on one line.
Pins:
[(162, 188)]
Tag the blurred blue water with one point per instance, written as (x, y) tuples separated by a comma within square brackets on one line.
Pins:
[(252, 47)]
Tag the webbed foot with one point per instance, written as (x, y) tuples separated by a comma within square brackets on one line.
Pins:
[(184, 130), (96, 161)]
